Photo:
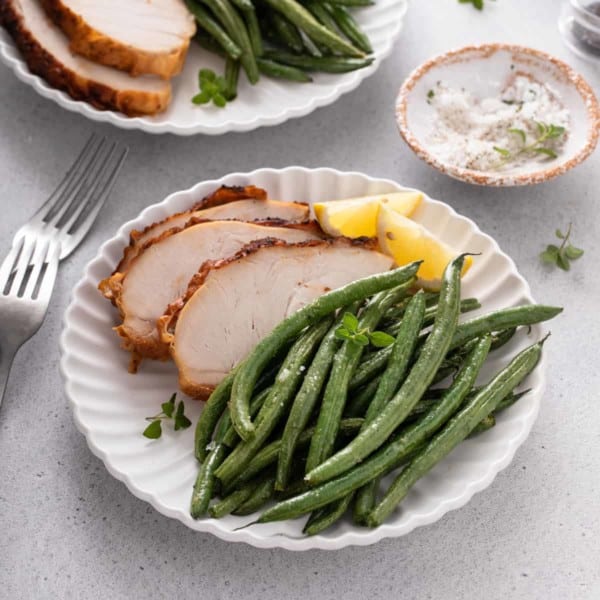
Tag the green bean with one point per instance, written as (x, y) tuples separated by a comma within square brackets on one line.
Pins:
[(483, 425), (325, 19), (320, 12), (336, 391), (307, 397), (417, 433), (466, 305), (509, 401), (254, 32), (225, 438), (503, 337), (250, 369), (303, 19), (359, 403), (507, 318), (420, 376), (277, 403), (364, 501), (326, 64), (206, 22), (205, 481), (350, 28), (232, 73), (390, 456), (296, 487), (235, 27), (213, 409), (457, 429), (209, 43), (402, 351), (327, 516), (268, 454), (392, 378), (243, 5), (260, 496), (287, 32), (233, 501), (310, 46), (230, 436), (279, 71), (383, 461), (395, 313)]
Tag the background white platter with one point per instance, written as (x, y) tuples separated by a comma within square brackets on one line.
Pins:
[(270, 102)]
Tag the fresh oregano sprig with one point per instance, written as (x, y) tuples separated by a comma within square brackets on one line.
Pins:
[(213, 88), (168, 412), (349, 330), (562, 255), (545, 131)]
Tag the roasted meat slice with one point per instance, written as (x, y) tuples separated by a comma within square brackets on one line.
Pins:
[(46, 51), (136, 36), (232, 304), (162, 272), (247, 203)]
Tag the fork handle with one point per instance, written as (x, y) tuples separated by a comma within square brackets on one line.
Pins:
[(6, 359)]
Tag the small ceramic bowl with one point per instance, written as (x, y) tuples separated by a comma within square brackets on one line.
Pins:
[(484, 71)]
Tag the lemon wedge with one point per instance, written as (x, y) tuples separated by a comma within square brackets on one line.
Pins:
[(357, 217), (406, 240)]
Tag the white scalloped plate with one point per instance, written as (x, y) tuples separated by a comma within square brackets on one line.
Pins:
[(109, 404), (269, 103)]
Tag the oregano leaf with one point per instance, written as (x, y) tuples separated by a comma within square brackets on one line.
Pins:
[(350, 322), (573, 253), (519, 132), (361, 339), (562, 261), (153, 431), (380, 339), (341, 333)]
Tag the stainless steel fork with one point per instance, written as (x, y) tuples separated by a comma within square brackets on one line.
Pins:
[(28, 273)]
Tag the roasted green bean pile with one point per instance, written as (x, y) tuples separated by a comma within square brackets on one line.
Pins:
[(285, 39), (312, 420)]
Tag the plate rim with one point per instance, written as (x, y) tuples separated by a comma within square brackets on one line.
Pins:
[(213, 526), (19, 67)]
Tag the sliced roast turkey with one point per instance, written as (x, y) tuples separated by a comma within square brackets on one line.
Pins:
[(232, 304), (161, 274), (136, 36), (46, 51), (247, 203)]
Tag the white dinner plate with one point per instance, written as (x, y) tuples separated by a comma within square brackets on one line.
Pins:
[(110, 405), (270, 102)]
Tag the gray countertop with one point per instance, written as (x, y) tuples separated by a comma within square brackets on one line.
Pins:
[(69, 530)]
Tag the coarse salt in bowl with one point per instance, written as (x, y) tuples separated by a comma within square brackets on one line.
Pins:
[(485, 72)]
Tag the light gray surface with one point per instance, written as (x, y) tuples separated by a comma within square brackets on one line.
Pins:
[(69, 530)]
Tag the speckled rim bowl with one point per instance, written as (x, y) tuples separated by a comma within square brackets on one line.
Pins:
[(484, 69)]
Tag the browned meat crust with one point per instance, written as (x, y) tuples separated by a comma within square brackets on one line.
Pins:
[(42, 63), (223, 195), (107, 51), (166, 323)]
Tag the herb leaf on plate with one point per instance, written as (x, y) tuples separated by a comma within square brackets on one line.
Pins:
[(168, 412)]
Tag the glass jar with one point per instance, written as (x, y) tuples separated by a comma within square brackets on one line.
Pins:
[(579, 26)]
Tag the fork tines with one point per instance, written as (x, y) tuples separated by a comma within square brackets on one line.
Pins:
[(71, 209)]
